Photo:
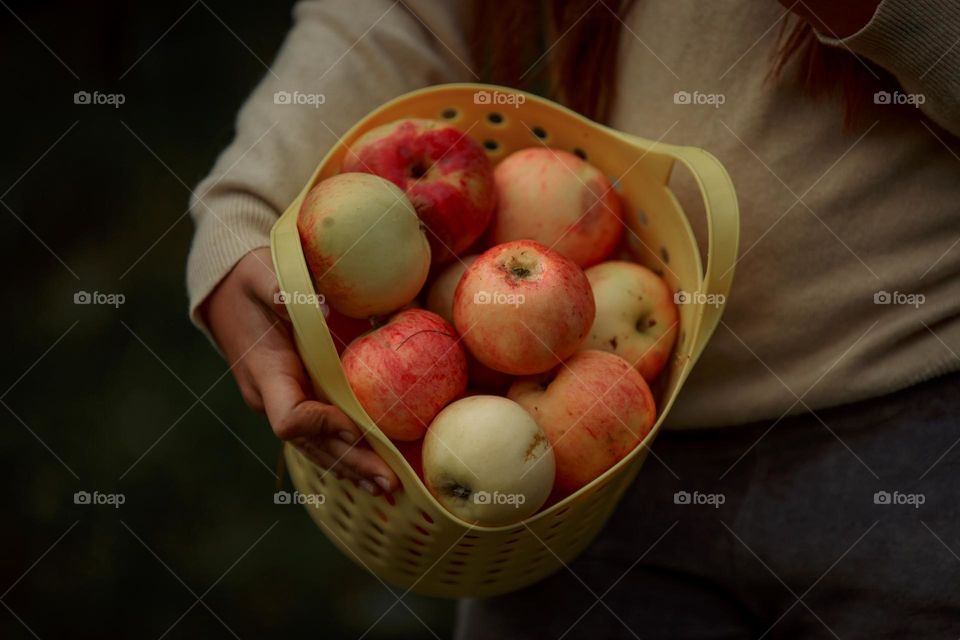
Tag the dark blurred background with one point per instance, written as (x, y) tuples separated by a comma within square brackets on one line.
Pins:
[(130, 401)]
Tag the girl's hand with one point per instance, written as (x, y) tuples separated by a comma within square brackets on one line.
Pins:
[(252, 329)]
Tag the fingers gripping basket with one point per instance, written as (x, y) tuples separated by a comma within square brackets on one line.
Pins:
[(408, 539)]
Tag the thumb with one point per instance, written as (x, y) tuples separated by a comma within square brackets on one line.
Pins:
[(293, 415)]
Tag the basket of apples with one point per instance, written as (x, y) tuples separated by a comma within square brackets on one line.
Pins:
[(514, 299)]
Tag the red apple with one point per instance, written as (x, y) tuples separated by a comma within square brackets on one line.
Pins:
[(595, 409), (555, 198), (364, 244), (636, 316), (406, 371), (522, 308), (444, 172), (440, 295)]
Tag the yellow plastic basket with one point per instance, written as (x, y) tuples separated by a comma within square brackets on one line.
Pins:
[(408, 539)]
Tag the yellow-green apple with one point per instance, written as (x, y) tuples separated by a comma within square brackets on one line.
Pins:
[(364, 244), (636, 316), (440, 295), (595, 408), (555, 198), (406, 371), (445, 173), (487, 462), (522, 308)]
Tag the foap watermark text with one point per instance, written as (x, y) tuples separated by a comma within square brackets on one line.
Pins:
[(96, 498), (899, 298), (498, 297), (714, 100), (485, 497), (286, 497), (697, 498), (699, 297), (299, 98), (499, 98), (97, 98), (98, 297), (897, 498)]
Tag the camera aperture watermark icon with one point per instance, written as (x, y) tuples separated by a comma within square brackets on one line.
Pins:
[(99, 298), (897, 498), (499, 98), (899, 98), (96, 498), (295, 497), (699, 297), (485, 497), (715, 100), (299, 98), (499, 298), (699, 499), (99, 99), (899, 298)]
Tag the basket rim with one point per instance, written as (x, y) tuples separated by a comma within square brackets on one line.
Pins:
[(410, 479)]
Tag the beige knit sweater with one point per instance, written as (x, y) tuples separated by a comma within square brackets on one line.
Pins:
[(829, 218)]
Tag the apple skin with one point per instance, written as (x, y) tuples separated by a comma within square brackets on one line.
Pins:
[(445, 173), (557, 199), (406, 371), (487, 444), (440, 294), (636, 316), (595, 409), (522, 308), (363, 243)]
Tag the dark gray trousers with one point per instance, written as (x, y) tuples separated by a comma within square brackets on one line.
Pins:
[(844, 524)]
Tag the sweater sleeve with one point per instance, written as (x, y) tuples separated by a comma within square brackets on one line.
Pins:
[(918, 41), (341, 59)]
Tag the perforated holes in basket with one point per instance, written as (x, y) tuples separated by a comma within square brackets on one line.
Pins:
[(496, 119), (539, 132), (449, 113)]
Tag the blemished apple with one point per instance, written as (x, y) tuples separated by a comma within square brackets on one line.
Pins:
[(557, 199), (636, 316), (522, 308), (440, 295), (406, 371), (595, 409), (487, 462), (364, 244), (445, 173)]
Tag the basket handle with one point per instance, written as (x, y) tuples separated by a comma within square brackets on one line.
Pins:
[(723, 234)]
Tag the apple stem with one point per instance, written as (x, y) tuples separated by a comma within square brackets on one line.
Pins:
[(413, 335)]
